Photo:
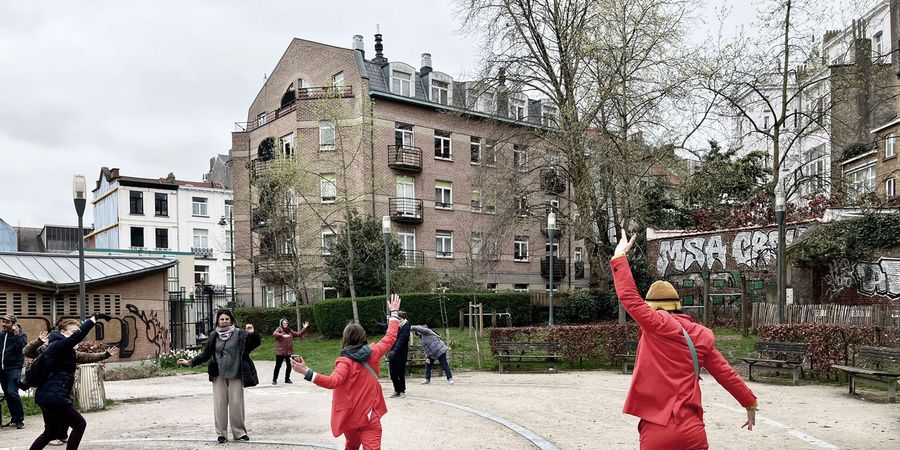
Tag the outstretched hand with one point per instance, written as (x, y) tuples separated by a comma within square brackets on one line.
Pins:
[(394, 303), (299, 365), (44, 336), (624, 245), (751, 419)]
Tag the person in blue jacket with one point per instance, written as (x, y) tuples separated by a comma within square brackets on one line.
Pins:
[(12, 341), (398, 355)]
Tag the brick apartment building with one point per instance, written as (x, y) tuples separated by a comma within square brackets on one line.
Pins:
[(483, 194)]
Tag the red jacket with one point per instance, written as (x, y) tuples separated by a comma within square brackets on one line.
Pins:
[(356, 391), (664, 383), (284, 346)]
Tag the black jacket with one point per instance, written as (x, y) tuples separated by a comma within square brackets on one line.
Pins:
[(401, 345), (11, 346), (60, 354), (248, 343)]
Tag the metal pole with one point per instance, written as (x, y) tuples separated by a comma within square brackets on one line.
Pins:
[(780, 268), (231, 229), (551, 232), (82, 300), (387, 266)]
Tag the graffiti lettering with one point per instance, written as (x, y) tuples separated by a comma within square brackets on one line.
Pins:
[(881, 278), (157, 334), (752, 248)]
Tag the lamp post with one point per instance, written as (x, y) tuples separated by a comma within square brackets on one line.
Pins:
[(779, 264), (79, 195), (230, 247), (551, 232), (386, 230)]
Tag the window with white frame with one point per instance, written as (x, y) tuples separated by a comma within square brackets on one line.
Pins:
[(490, 203), (326, 135), (555, 287), (403, 134), (443, 194), (522, 206), (270, 296), (550, 115), (228, 273), (440, 92), (199, 206), (261, 119), (328, 187), (401, 83), (520, 158), (443, 244), (329, 237), (475, 245), (766, 122), (229, 209), (287, 145), (201, 274), (520, 248), (876, 45), (890, 146), (553, 205), (517, 109), (290, 297), (337, 80), (201, 238), (442, 149), (555, 248), (475, 148), (229, 242), (491, 287), (490, 153), (329, 291), (476, 201), (890, 188), (577, 254), (520, 287), (485, 103), (861, 181)]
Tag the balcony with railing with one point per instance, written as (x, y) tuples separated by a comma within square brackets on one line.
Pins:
[(552, 181), (559, 267), (307, 93), (203, 252), (406, 210), (405, 157), (413, 258)]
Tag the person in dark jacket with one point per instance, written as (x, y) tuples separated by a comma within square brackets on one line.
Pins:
[(230, 371), (54, 394), (12, 341), (284, 348), (435, 349), (398, 355)]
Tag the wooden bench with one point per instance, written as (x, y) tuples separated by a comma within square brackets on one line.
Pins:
[(792, 357), (629, 356), (416, 361), (520, 353), (873, 370)]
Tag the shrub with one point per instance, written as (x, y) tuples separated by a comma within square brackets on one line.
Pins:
[(831, 344), (577, 342), (91, 347), (587, 307), (265, 320), (132, 372), (331, 316)]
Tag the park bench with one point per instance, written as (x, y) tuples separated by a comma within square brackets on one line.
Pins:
[(520, 353), (416, 361), (874, 370), (779, 356), (629, 356)]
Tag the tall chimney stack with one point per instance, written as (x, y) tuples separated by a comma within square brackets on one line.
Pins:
[(379, 47), (358, 44), (426, 64)]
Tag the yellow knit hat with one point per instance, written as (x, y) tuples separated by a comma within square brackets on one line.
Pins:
[(662, 295)]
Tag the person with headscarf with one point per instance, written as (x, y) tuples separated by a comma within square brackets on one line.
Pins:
[(284, 348), (665, 387), (230, 371)]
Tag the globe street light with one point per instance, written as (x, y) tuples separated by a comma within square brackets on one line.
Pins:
[(551, 232), (779, 262), (79, 195)]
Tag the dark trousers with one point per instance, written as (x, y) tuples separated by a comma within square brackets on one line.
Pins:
[(443, 360), (8, 380), (287, 370), (398, 374), (55, 418)]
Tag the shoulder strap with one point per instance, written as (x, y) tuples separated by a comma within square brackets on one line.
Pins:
[(371, 370), (693, 350)]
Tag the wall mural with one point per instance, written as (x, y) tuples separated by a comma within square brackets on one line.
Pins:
[(880, 278), (156, 332)]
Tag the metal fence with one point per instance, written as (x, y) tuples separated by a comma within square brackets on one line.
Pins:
[(192, 315)]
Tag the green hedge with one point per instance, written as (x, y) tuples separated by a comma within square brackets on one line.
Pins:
[(331, 316), (265, 320)]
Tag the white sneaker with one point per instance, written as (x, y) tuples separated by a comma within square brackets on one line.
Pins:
[(426, 382), (403, 395), (450, 381)]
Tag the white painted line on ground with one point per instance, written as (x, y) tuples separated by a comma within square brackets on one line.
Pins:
[(535, 439), (792, 431)]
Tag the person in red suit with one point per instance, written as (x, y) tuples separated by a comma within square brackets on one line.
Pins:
[(358, 401), (665, 386)]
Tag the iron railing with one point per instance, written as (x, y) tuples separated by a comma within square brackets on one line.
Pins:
[(409, 210), (405, 157)]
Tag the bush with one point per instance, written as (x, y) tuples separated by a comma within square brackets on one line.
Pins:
[(587, 307), (831, 344), (331, 316), (265, 320), (577, 342), (169, 360)]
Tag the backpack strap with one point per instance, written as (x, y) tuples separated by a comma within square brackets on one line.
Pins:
[(693, 350), (371, 370)]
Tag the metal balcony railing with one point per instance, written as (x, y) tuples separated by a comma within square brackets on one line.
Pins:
[(408, 210), (306, 93), (202, 252), (405, 157), (559, 267), (413, 258), (552, 182)]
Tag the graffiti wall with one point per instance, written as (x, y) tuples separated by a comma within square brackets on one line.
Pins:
[(863, 282)]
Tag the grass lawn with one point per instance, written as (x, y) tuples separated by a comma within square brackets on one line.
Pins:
[(733, 346)]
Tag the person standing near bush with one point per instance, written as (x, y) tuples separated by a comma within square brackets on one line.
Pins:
[(398, 355), (284, 348), (665, 387), (12, 341), (435, 349), (358, 404), (230, 371)]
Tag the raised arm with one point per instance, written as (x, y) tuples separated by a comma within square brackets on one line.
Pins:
[(79, 335), (251, 341), (649, 320), (422, 330), (302, 331), (33, 349)]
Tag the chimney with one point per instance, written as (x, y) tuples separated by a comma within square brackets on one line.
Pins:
[(170, 178), (379, 56), (426, 64), (358, 44)]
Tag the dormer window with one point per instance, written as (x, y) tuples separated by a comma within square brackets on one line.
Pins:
[(517, 109), (337, 80), (440, 92), (401, 83), (485, 103), (550, 115)]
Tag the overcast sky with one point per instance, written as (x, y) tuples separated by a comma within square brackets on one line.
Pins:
[(155, 86)]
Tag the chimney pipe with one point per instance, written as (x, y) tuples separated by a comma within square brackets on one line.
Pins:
[(358, 44), (379, 48), (426, 64)]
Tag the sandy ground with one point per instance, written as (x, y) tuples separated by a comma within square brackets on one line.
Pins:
[(574, 410)]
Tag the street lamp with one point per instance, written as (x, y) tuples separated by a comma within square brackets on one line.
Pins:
[(230, 247), (780, 267), (551, 232), (79, 195), (386, 230)]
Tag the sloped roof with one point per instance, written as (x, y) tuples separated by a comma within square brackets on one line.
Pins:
[(51, 271)]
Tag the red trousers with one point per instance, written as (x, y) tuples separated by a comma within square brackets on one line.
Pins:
[(688, 434), (368, 436)]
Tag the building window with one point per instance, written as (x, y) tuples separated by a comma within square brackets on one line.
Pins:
[(201, 238), (578, 254), (440, 92), (443, 244), (201, 274), (161, 204), (476, 150), (876, 45), (490, 153), (162, 238), (555, 287), (890, 146), (492, 287), (517, 109), (229, 208), (550, 115), (890, 188), (520, 158), (228, 277), (555, 248), (475, 249), (329, 291), (328, 187), (401, 83), (861, 181), (326, 136), (137, 237), (290, 297), (476, 201), (522, 207), (442, 145), (766, 123), (287, 145), (337, 80), (485, 103), (270, 296), (229, 241), (443, 195), (199, 206), (135, 202), (520, 248), (403, 135), (329, 237), (490, 203), (261, 119), (520, 287)]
